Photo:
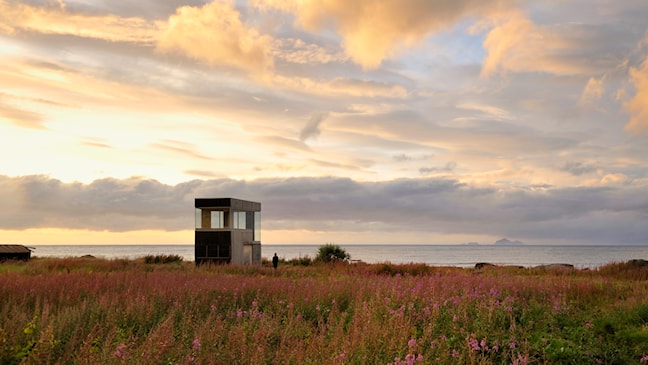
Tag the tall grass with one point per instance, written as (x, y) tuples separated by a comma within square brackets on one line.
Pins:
[(61, 311)]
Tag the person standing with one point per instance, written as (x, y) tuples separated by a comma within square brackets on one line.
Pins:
[(275, 260)]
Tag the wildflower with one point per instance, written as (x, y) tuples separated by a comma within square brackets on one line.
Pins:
[(195, 345), (644, 359), (483, 344), (411, 343), (254, 303), (118, 351), (473, 343), (455, 353), (409, 359), (521, 360)]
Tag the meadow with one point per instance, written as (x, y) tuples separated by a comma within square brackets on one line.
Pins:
[(95, 311)]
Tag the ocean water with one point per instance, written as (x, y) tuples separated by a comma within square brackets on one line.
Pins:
[(435, 255)]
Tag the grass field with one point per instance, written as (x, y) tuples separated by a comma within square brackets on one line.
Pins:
[(94, 311)]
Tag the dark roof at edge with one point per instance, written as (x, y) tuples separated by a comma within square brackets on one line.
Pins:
[(14, 249), (236, 204)]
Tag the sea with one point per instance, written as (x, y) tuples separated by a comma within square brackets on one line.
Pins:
[(434, 255)]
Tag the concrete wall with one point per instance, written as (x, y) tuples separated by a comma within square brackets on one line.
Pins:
[(239, 239)]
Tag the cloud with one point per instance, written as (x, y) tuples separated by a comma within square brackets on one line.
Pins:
[(449, 167), (433, 205), (182, 148), (216, 35), (401, 157), (514, 43), (578, 168), (17, 17), (491, 111), (592, 93), (638, 105), (312, 128), (342, 86), (213, 34), (298, 51), (283, 143), (373, 31), (21, 117)]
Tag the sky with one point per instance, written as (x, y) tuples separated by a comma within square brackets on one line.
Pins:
[(366, 121)]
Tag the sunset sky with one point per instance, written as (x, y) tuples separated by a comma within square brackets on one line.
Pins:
[(365, 121)]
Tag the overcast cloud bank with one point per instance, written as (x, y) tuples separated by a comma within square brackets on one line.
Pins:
[(614, 215)]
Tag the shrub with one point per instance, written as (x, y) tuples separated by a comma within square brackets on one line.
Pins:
[(332, 253), (301, 261), (162, 259)]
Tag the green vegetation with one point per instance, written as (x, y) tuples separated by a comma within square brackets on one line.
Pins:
[(162, 259), (332, 253), (95, 311)]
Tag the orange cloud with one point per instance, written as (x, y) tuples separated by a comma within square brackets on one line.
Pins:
[(375, 30), (638, 105), (592, 93), (516, 44), (215, 34), (15, 17), (342, 86)]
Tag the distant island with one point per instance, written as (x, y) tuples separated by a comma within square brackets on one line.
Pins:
[(501, 242), (507, 242)]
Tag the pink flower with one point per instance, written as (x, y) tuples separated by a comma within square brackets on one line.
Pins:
[(118, 351), (521, 360), (644, 359), (409, 359), (411, 343), (473, 343), (483, 344), (195, 345)]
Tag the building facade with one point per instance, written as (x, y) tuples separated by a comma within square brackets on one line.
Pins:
[(228, 231), (14, 252)]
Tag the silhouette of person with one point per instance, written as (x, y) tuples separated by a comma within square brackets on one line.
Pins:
[(275, 260)]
